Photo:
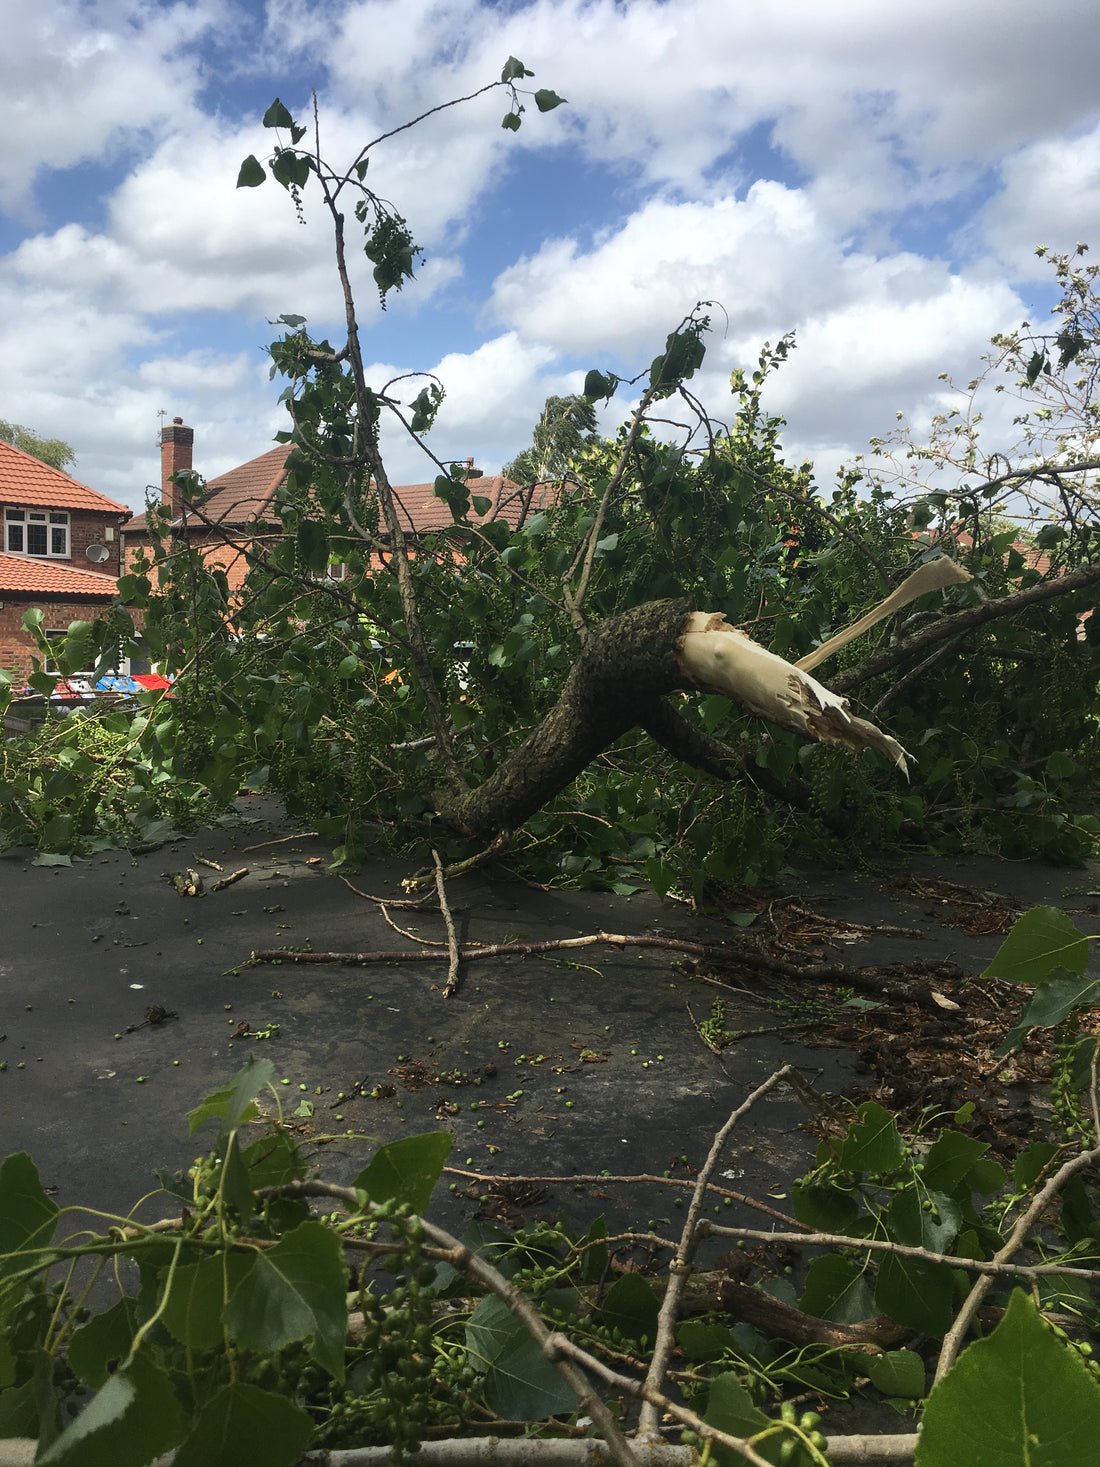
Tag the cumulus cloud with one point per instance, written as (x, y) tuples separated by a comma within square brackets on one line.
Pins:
[(157, 296), (1050, 195), (77, 80)]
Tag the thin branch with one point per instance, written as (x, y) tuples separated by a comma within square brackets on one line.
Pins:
[(579, 1179), (870, 979), (680, 1268), (952, 1343), (989, 1268), (452, 940), (964, 621)]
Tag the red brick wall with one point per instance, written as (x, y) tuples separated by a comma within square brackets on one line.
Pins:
[(86, 528), (17, 646)]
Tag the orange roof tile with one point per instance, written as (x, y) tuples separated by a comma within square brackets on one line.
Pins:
[(25, 479), (27, 575)]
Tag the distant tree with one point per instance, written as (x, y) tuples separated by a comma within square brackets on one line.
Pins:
[(53, 451), (567, 425)]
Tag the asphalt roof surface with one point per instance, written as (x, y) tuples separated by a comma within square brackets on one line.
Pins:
[(595, 1063)]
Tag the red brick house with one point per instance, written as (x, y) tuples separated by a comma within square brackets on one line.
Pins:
[(241, 499), (60, 551)]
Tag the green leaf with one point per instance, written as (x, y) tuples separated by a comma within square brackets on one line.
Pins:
[(631, 1305), (1015, 1399), (730, 1409), (511, 121), (514, 70), (600, 384), (923, 1220), (252, 173), (836, 1289), (244, 1426), (1049, 536), (703, 1341), (950, 1159), (235, 1184), (1055, 999), (873, 1143), (406, 1170), (1042, 939), (273, 1161), (102, 1342), (1035, 366), (193, 1310), (546, 100), (294, 1291), (897, 1373), (234, 1105), (481, 503), (132, 1420), (277, 116), (520, 1383), (288, 167), (917, 1294), (313, 545), (828, 1209), (27, 1215)]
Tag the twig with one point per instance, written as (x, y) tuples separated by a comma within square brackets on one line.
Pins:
[(869, 979), (406, 903), (202, 861), (281, 840), (606, 1177), (952, 1342), (412, 936), (680, 1267), (228, 880), (422, 878), (452, 941), (542, 1452)]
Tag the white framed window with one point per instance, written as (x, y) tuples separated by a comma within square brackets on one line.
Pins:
[(40, 532)]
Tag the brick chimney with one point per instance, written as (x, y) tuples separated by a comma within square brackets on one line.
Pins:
[(176, 448)]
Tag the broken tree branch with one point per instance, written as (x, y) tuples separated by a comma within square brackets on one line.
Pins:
[(452, 940), (732, 955)]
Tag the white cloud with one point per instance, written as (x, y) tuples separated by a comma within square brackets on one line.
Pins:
[(78, 79), (1051, 196), (156, 297)]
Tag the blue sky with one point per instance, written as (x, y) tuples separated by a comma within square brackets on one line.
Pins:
[(873, 177)]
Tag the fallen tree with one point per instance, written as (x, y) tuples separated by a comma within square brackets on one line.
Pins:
[(535, 665)]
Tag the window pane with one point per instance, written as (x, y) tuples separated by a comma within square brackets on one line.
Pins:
[(15, 539), (59, 540), (36, 539)]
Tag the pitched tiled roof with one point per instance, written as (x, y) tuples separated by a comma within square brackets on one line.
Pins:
[(28, 575), (245, 493), (25, 479), (419, 509)]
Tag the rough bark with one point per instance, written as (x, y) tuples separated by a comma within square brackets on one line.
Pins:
[(627, 663)]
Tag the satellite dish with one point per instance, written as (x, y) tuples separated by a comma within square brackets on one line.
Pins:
[(97, 554)]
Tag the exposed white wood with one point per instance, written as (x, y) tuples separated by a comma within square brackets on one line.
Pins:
[(722, 659)]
